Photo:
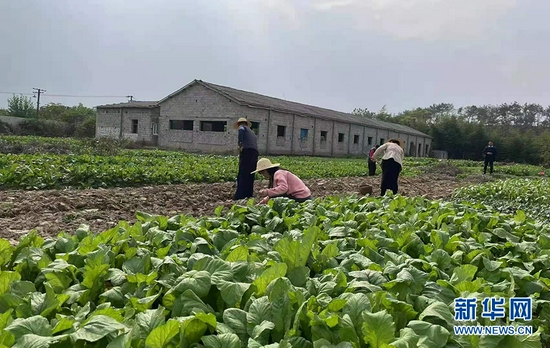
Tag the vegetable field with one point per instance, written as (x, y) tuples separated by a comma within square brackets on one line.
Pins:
[(510, 195), (32, 163), (351, 272), (197, 270)]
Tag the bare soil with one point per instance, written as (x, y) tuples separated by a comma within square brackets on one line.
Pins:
[(53, 211)]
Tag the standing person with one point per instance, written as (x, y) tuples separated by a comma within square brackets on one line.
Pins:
[(372, 163), (392, 164), (282, 183), (248, 156), (490, 154)]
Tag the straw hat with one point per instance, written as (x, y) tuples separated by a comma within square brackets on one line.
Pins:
[(264, 164), (401, 142), (242, 119)]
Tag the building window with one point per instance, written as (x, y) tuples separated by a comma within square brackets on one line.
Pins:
[(214, 126), (369, 140), (155, 129), (281, 130), (427, 149), (255, 127), (134, 126), (303, 133), (419, 150), (356, 139), (381, 141), (341, 137), (181, 125), (324, 136)]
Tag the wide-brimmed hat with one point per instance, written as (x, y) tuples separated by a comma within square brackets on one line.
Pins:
[(401, 142), (242, 119), (264, 164)]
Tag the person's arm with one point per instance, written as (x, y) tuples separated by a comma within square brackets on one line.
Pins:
[(241, 137), (280, 185), (379, 151), (484, 153)]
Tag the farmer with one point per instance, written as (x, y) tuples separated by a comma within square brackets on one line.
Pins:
[(282, 183), (392, 164), (248, 156), (490, 153), (371, 162)]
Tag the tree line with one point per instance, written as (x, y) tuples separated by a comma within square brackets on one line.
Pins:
[(521, 133), (53, 119)]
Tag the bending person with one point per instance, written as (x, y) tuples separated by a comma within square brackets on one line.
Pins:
[(282, 183), (392, 164)]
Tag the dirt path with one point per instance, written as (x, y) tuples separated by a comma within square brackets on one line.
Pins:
[(53, 211)]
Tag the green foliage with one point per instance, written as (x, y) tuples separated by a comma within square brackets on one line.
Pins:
[(34, 163), (21, 106), (63, 113), (44, 128), (518, 131), (86, 129), (377, 272), (6, 128), (508, 196)]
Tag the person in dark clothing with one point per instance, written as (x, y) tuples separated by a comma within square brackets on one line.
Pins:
[(371, 162), (490, 154), (248, 157), (392, 163)]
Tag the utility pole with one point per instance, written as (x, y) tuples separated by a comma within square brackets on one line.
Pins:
[(38, 92), (131, 97)]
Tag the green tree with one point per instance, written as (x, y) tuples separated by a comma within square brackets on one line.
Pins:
[(21, 106), (364, 113), (54, 111)]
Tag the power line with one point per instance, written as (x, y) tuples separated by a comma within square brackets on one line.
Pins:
[(16, 93), (72, 96), (87, 96)]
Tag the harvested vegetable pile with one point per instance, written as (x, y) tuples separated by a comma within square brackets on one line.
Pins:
[(351, 272)]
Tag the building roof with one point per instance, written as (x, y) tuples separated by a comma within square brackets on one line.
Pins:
[(261, 101), (132, 104)]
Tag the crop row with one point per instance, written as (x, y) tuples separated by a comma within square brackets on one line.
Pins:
[(529, 195), (138, 168), (376, 272)]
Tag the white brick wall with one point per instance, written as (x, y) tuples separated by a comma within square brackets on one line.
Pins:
[(109, 123), (199, 103)]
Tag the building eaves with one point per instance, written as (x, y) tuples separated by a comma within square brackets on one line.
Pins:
[(260, 101), (132, 104)]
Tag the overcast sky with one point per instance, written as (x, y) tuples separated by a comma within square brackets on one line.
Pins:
[(339, 54)]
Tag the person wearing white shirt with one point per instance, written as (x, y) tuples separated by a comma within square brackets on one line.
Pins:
[(392, 163)]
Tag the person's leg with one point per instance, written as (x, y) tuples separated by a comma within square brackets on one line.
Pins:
[(248, 179), (393, 172), (397, 172), (485, 165), (253, 156), (384, 184), (372, 168), (239, 194), (491, 163)]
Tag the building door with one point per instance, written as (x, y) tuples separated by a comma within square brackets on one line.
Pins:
[(412, 149)]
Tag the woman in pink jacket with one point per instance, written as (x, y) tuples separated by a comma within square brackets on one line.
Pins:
[(282, 183)]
